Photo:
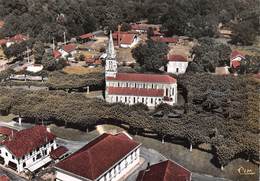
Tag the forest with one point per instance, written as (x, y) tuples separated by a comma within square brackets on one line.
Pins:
[(48, 19), (219, 111)]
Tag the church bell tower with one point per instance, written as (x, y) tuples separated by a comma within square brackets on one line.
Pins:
[(111, 63)]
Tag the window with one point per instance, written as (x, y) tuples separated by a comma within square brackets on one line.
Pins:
[(51, 141), (6, 153), (125, 99), (38, 156), (24, 164), (177, 70), (116, 99), (134, 100), (173, 91), (30, 153), (143, 85), (152, 86), (142, 100), (33, 159), (127, 84), (12, 157), (23, 157), (135, 85), (151, 100)]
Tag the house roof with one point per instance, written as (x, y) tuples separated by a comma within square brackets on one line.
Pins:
[(18, 38), (70, 47), (58, 152), (136, 91), (165, 171), (236, 63), (95, 158), (165, 39), (3, 42), (177, 58), (56, 54), (125, 37), (136, 77), (4, 178), (7, 131), (86, 36), (24, 141), (235, 54)]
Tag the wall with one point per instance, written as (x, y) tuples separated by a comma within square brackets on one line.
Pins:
[(173, 66)]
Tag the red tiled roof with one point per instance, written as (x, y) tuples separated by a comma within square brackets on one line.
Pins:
[(139, 27), (7, 131), (135, 77), (69, 48), (236, 63), (58, 152), (56, 54), (165, 171), (18, 38), (86, 36), (177, 58), (235, 54), (165, 39), (3, 42), (98, 156), (125, 37), (4, 178), (23, 142), (136, 91)]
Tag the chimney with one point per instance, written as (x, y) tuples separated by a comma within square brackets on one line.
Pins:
[(118, 35)]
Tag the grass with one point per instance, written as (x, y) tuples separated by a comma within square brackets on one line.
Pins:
[(8, 118), (81, 70)]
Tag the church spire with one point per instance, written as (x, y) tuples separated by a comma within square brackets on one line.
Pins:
[(111, 49)]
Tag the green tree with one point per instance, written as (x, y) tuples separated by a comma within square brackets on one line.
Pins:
[(48, 62), (152, 55)]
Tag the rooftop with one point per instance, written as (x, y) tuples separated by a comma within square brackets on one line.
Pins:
[(136, 77), (24, 141), (177, 58), (95, 158), (165, 171)]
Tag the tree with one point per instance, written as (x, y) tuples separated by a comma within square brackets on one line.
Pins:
[(244, 33), (152, 55), (208, 55), (125, 27), (38, 50), (48, 62)]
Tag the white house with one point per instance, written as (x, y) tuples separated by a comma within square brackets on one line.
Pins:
[(108, 157), (68, 50), (177, 64), (125, 39), (133, 88), (27, 150)]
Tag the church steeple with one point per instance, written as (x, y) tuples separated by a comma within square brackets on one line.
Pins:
[(111, 49), (111, 63)]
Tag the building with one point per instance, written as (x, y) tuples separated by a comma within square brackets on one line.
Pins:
[(177, 64), (27, 149), (59, 153), (167, 40), (143, 27), (16, 39), (108, 157), (86, 37), (235, 59), (125, 39), (68, 50), (165, 171), (133, 88)]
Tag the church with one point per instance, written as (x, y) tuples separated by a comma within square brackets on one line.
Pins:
[(133, 88)]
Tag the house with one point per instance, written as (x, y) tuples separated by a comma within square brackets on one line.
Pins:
[(235, 58), (56, 54), (165, 171), (86, 37), (34, 68), (16, 39), (108, 157), (166, 40), (68, 50), (125, 39), (28, 149), (143, 27), (133, 88), (177, 64)]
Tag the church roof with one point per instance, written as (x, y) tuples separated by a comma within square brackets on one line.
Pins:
[(177, 58), (136, 77), (165, 171), (98, 156), (135, 91)]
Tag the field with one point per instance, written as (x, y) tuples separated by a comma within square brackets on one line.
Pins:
[(81, 70)]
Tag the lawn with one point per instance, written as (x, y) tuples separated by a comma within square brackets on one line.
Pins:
[(8, 118), (81, 70)]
